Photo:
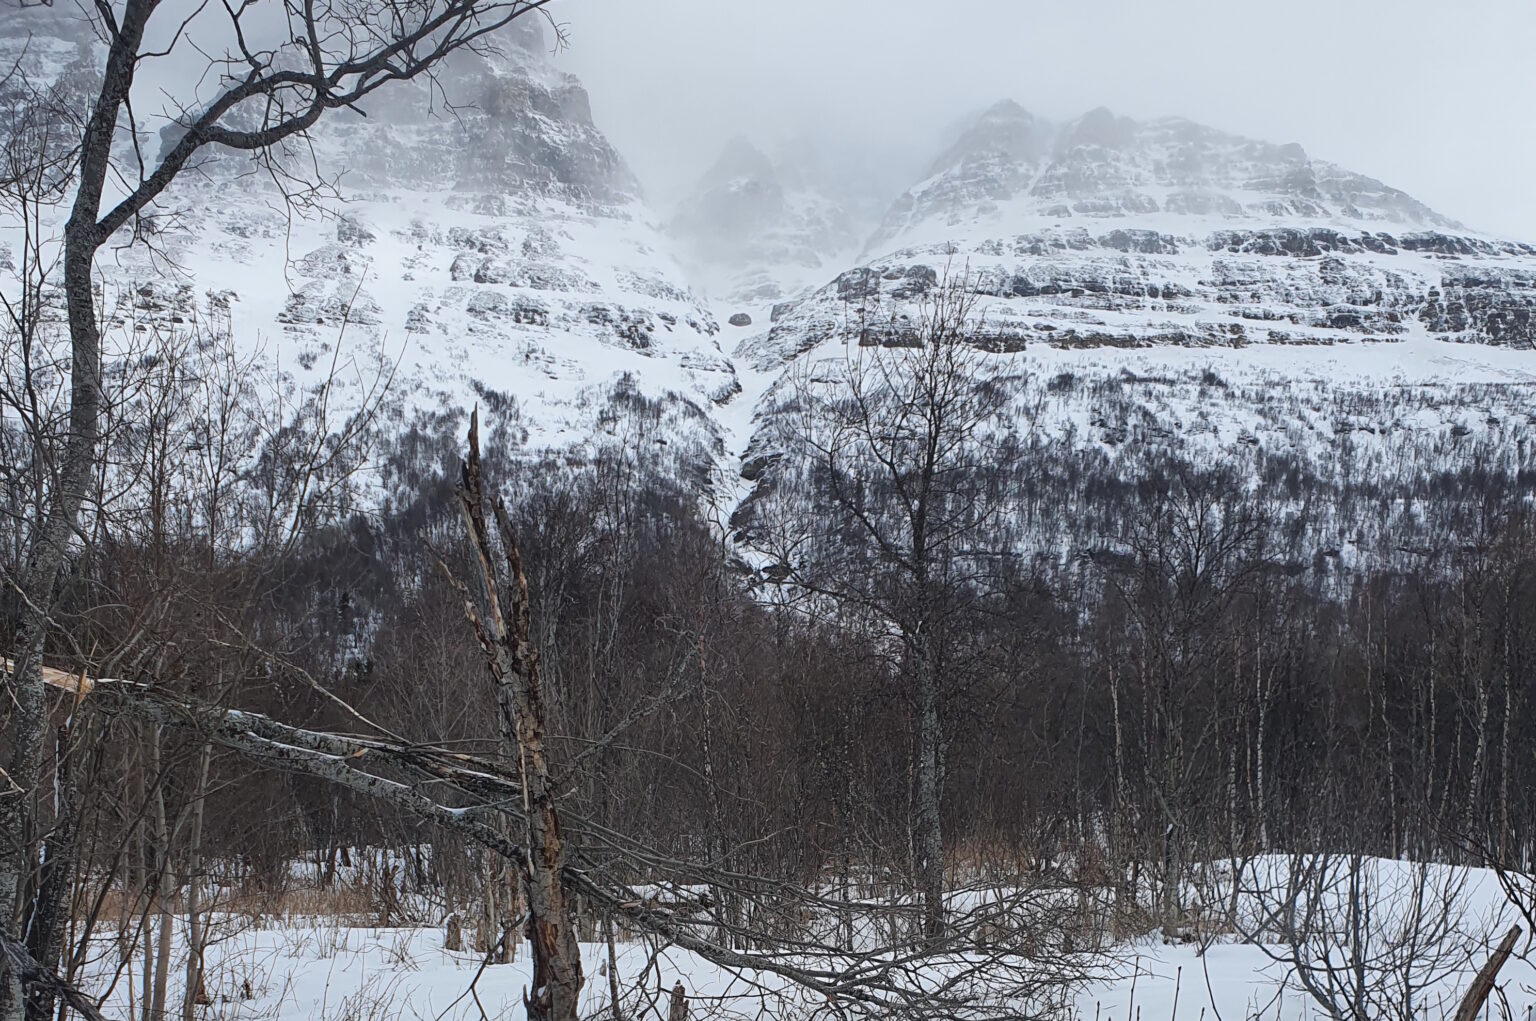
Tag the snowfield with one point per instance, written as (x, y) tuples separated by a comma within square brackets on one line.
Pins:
[(297, 968)]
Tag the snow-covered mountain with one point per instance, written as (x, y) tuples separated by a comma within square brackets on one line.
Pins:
[(1108, 231), (499, 252), (1163, 289), (1160, 288)]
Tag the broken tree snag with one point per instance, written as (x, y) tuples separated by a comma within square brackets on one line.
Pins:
[(1477, 995), (495, 807), (678, 1010), (500, 619)]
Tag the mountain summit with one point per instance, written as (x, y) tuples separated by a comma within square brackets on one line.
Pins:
[(1011, 167)]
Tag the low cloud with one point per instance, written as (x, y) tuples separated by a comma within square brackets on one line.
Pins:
[(1431, 98)]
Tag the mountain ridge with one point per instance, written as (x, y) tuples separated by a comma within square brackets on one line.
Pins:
[(1010, 164)]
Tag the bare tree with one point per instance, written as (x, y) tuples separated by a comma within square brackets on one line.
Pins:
[(273, 70), (1364, 938), (905, 451), (1188, 564), (501, 621)]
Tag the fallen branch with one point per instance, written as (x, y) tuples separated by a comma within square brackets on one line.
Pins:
[(927, 979)]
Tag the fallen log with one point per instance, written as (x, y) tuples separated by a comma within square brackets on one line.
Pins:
[(895, 981)]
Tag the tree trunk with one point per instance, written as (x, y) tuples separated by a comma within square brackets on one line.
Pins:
[(713, 842), (45, 932), (511, 902), (513, 662), (136, 912), (155, 991), (159, 994), (1119, 823), (677, 1010), (17, 815), (194, 993), (82, 239), (1502, 843), (615, 1003), (1477, 995), (1261, 697), (930, 834)]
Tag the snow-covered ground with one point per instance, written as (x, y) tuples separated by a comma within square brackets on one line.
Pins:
[(323, 968)]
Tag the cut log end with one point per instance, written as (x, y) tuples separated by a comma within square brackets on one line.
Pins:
[(77, 684)]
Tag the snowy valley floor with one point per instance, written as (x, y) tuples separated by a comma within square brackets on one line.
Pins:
[(322, 968)]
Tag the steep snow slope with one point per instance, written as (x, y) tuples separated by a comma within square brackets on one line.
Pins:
[(499, 252)]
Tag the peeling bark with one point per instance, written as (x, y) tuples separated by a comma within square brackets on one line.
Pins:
[(504, 632)]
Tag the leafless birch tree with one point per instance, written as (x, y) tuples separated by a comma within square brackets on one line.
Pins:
[(904, 452)]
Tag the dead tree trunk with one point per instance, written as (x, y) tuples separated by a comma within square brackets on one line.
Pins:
[(1477, 995), (677, 1010), (501, 621)]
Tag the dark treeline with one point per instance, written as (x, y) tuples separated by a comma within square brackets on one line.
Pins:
[(1123, 714)]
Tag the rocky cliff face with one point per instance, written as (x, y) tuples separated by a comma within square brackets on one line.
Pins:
[(498, 252), (1108, 231)]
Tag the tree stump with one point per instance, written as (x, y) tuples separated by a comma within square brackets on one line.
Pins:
[(678, 1011)]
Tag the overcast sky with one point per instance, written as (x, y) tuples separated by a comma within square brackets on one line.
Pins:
[(1437, 99)]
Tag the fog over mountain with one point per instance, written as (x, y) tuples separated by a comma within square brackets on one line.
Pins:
[(1431, 97)]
